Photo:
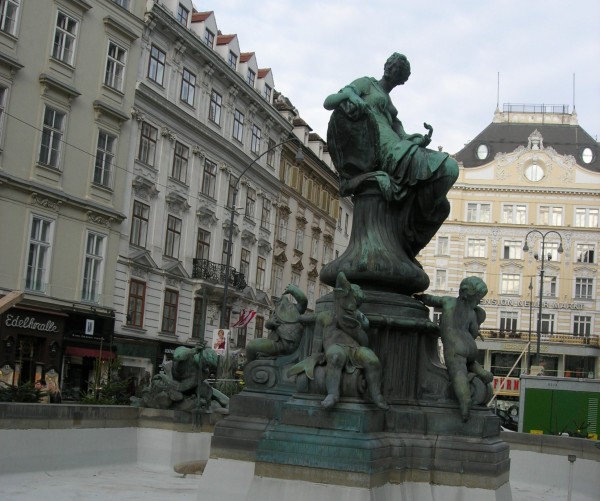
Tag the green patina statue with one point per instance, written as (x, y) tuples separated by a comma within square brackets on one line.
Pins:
[(459, 327), (341, 342), (370, 149), (284, 324)]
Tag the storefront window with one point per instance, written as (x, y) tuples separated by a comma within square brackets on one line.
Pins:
[(580, 367)]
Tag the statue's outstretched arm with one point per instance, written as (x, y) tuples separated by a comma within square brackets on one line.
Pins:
[(299, 296)]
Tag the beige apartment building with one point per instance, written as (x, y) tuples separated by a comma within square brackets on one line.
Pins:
[(531, 177), (67, 79)]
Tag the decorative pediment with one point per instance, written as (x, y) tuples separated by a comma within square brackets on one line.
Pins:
[(301, 220), (535, 141), (280, 256), (177, 203), (49, 82), (175, 268), (284, 210), (103, 109), (169, 134), (328, 237), (297, 264), (141, 257), (248, 237), (144, 188), (316, 229), (226, 225), (45, 202), (206, 216), (313, 273), (99, 219), (264, 246)]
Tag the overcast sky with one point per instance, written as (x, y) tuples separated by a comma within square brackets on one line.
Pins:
[(456, 50)]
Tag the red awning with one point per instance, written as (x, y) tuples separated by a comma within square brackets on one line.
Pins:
[(76, 351)]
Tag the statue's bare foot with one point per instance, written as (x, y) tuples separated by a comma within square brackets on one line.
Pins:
[(330, 401), (381, 403)]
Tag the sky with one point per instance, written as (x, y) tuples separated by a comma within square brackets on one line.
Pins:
[(466, 56)]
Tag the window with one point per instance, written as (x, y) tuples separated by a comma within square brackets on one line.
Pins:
[(585, 253), (442, 246), (232, 60), (514, 214), (64, 38), (38, 260), (182, 15), (259, 327), (199, 318), (479, 213), (296, 279), (476, 247), (327, 252), (214, 112), (261, 267), (173, 237), (551, 216), (436, 315), (551, 250), (209, 38), (271, 153), (92, 272), (139, 224), (156, 65), (225, 253), (8, 16), (584, 288), (582, 325), (250, 77), (188, 87), (586, 217), (209, 178), (105, 154), (115, 66), (148, 138), (267, 92), (510, 283), (238, 126), (441, 277), (135, 306), (314, 247), (310, 294), (265, 216), (245, 262), (550, 286), (299, 244), (180, 162), (2, 107), (231, 192), (203, 244), (250, 202), (346, 224), (52, 135), (282, 230), (169, 318), (255, 142), (122, 3), (508, 321), (513, 249), (277, 280), (547, 323)]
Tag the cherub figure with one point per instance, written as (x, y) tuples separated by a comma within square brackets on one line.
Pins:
[(341, 339), (284, 324), (459, 327)]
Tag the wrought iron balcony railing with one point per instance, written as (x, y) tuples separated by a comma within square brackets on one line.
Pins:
[(215, 273), (559, 337)]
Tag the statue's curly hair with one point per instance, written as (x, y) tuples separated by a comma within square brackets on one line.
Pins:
[(472, 285), (400, 60)]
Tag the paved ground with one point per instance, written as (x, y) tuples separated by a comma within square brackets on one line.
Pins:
[(135, 483)]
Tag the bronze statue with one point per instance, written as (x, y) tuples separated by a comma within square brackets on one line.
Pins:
[(459, 327), (341, 342), (284, 324), (405, 183)]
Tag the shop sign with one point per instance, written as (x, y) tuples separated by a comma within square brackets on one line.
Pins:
[(527, 304), (30, 323), (509, 387)]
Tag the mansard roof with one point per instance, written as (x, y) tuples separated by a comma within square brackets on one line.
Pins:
[(505, 136)]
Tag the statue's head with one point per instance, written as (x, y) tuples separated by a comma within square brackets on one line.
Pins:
[(346, 295), (397, 64), (472, 287), (285, 311)]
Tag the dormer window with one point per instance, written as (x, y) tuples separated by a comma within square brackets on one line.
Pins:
[(267, 92), (232, 60), (182, 15), (209, 38), (250, 77)]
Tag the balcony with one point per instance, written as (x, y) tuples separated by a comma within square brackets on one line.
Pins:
[(562, 338), (204, 269)]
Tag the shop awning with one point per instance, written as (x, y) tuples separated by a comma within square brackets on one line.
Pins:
[(76, 351)]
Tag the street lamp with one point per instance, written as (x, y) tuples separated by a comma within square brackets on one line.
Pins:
[(299, 158), (530, 315), (543, 258)]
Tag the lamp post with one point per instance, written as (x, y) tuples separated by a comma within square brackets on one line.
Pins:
[(299, 158), (543, 258), (530, 315)]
